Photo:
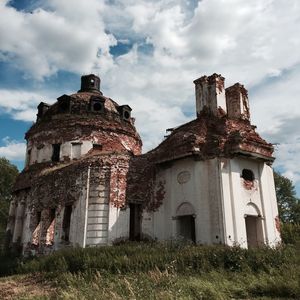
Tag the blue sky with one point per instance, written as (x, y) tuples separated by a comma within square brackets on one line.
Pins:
[(147, 54)]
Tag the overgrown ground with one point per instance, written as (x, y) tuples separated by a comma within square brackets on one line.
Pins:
[(155, 271)]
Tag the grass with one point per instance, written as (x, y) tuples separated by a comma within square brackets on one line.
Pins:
[(156, 271)]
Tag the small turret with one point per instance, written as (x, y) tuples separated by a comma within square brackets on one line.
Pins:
[(90, 83)]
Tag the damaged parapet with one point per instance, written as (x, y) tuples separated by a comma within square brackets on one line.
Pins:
[(210, 94), (237, 102)]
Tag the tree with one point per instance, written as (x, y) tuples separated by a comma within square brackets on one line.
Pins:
[(288, 203), (8, 174)]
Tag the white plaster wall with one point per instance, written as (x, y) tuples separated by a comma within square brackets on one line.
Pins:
[(26, 233), (147, 226), (227, 196), (18, 230), (238, 201), (33, 155), (118, 224), (44, 154), (270, 207), (77, 224), (59, 214), (202, 191)]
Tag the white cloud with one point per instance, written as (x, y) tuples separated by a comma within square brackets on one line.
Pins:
[(68, 35), (12, 150), (276, 111), (21, 105)]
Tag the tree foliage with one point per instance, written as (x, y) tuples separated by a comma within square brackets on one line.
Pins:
[(288, 203), (8, 174)]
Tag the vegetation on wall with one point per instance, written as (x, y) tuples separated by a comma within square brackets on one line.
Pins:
[(158, 270)]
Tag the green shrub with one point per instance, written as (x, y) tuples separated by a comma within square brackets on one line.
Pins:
[(290, 233), (166, 271), (131, 258)]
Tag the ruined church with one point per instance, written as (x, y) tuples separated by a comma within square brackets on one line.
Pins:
[(86, 182)]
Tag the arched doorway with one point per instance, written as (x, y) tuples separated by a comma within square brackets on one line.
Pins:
[(254, 230), (185, 216)]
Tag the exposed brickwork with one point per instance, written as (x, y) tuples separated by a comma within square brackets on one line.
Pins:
[(115, 173), (206, 137)]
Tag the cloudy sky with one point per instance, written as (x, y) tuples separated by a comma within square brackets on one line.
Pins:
[(147, 53)]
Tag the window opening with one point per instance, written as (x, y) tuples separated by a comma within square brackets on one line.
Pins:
[(97, 106), (64, 106), (97, 146), (55, 152), (135, 222), (247, 175), (126, 114), (67, 223)]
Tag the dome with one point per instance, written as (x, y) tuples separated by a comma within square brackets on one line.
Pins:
[(87, 118)]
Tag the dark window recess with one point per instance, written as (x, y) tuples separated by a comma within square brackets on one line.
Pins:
[(97, 106), (97, 146), (67, 223), (38, 217), (64, 103), (247, 175), (52, 214), (126, 114), (135, 222), (55, 152), (64, 106)]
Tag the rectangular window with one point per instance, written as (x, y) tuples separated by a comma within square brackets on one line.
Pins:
[(55, 152)]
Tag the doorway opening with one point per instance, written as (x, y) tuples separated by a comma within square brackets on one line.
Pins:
[(67, 223), (186, 227), (254, 231), (135, 222)]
